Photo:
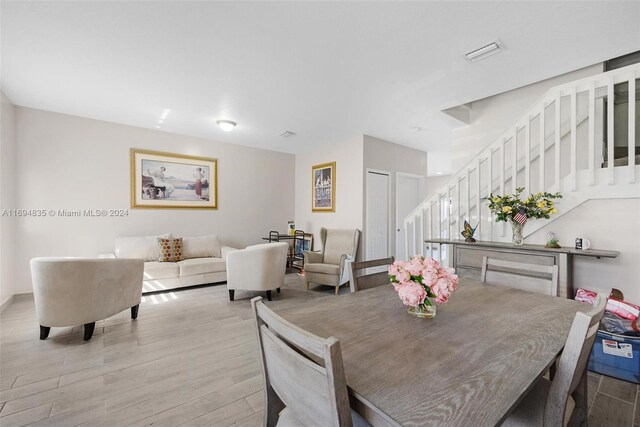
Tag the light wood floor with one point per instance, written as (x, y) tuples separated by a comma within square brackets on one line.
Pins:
[(190, 359)]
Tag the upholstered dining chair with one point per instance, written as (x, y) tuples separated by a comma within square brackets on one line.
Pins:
[(551, 403), (542, 279), (328, 266), (257, 268), (359, 281), (80, 291), (304, 376)]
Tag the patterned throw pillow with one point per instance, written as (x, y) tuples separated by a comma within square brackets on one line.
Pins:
[(169, 250)]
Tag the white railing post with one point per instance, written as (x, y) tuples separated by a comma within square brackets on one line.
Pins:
[(490, 189), (527, 156), (632, 128), (502, 144), (542, 149), (514, 160), (439, 226), (592, 134), (574, 139), (478, 189), (406, 240), (610, 134), (420, 236), (556, 150)]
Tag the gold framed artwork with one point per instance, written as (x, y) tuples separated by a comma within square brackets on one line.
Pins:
[(173, 181), (323, 187)]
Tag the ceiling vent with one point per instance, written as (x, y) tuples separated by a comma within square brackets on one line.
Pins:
[(485, 51), (287, 134)]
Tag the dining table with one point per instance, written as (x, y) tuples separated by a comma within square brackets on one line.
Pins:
[(469, 366)]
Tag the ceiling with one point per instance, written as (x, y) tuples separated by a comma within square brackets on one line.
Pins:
[(325, 70)]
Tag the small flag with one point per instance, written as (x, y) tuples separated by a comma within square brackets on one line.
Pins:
[(521, 217)]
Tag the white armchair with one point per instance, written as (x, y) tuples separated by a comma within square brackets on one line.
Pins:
[(257, 268), (328, 267), (79, 291)]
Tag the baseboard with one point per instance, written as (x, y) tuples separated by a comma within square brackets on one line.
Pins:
[(7, 303)]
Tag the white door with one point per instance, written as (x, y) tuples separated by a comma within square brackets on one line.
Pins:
[(407, 199), (377, 224)]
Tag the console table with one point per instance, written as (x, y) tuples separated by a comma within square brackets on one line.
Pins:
[(466, 258)]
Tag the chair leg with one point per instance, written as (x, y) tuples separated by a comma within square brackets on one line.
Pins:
[(134, 311), (278, 290), (88, 330), (44, 332), (337, 289), (269, 295), (231, 294)]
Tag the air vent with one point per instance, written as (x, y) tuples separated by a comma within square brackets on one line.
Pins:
[(485, 51), (287, 134)]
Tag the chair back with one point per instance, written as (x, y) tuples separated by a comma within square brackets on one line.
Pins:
[(305, 371), (572, 363), (75, 291), (336, 243), (542, 279), (360, 281)]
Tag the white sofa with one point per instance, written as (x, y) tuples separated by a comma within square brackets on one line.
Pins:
[(257, 268), (80, 291), (204, 261)]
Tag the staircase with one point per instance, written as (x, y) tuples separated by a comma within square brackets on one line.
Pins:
[(564, 142)]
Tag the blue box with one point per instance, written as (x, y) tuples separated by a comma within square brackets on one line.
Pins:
[(616, 356)]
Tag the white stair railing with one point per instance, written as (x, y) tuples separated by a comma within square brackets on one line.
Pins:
[(557, 145)]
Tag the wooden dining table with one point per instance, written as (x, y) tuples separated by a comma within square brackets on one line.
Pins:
[(468, 366)]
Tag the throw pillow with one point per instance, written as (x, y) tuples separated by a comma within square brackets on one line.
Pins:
[(169, 250)]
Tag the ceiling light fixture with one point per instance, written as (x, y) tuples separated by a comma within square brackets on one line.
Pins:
[(226, 125), (165, 113), (438, 173), (485, 51)]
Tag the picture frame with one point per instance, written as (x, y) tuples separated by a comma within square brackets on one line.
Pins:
[(161, 180), (304, 245), (323, 187)]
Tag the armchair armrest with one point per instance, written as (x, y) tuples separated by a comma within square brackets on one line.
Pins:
[(343, 259), (226, 250), (109, 255), (312, 257)]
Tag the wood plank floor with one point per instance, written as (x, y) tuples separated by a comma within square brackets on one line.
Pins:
[(190, 359)]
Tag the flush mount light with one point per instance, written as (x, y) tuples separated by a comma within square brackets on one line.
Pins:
[(226, 125), (485, 51), (438, 173)]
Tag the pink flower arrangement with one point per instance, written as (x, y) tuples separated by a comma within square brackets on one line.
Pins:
[(422, 278)]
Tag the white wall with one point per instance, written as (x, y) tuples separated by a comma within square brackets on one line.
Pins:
[(490, 117), (68, 162), (7, 198), (612, 224), (387, 156), (434, 183), (349, 188)]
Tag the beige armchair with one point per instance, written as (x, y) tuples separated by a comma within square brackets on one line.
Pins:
[(257, 268), (328, 267), (79, 291)]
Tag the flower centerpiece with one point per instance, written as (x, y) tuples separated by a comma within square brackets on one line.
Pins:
[(421, 280), (512, 209)]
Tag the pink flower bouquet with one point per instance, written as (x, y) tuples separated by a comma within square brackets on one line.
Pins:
[(420, 279)]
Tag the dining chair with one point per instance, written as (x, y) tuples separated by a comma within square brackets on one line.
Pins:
[(542, 279), (552, 403), (304, 376), (359, 281)]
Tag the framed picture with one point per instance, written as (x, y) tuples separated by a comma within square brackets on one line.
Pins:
[(173, 181), (323, 187), (304, 245)]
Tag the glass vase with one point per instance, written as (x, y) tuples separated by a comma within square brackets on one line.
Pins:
[(427, 310), (517, 232)]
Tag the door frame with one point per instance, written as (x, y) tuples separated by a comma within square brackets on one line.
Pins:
[(421, 193), (366, 198)]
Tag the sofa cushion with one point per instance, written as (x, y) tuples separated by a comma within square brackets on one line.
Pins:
[(169, 250), (193, 266), (160, 270), (323, 268), (144, 247), (201, 247)]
